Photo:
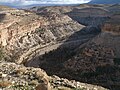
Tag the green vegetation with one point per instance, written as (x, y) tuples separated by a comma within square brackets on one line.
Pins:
[(80, 89), (40, 30), (1, 54), (21, 87), (108, 69), (117, 61)]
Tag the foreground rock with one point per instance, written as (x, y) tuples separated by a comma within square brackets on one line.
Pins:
[(18, 77)]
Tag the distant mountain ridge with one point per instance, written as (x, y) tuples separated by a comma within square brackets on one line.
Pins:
[(105, 2), (35, 5), (91, 2)]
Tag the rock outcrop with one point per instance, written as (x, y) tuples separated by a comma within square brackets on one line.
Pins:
[(113, 25), (18, 77)]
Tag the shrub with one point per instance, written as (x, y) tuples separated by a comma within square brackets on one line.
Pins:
[(117, 61), (1, 54)]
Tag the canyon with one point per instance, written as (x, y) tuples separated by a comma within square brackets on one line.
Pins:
[(75, 42)]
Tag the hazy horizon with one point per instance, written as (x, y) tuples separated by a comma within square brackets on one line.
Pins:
[(22, 3), (41, 2)]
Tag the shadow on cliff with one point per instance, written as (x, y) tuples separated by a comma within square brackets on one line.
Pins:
[(53, 62), (89, 16)]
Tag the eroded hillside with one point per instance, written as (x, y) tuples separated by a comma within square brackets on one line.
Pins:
[(22, 31)]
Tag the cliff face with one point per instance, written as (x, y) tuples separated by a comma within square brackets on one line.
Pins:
[(22, 30), (99, 57), (113, 25), (101, 54), (90, 15), (16, 23)]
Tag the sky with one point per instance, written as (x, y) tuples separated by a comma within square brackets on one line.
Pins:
[(30, 2)]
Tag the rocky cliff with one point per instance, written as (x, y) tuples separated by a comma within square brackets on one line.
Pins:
[(22, 30)]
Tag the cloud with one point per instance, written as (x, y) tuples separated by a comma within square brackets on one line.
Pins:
[(30, 2)]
